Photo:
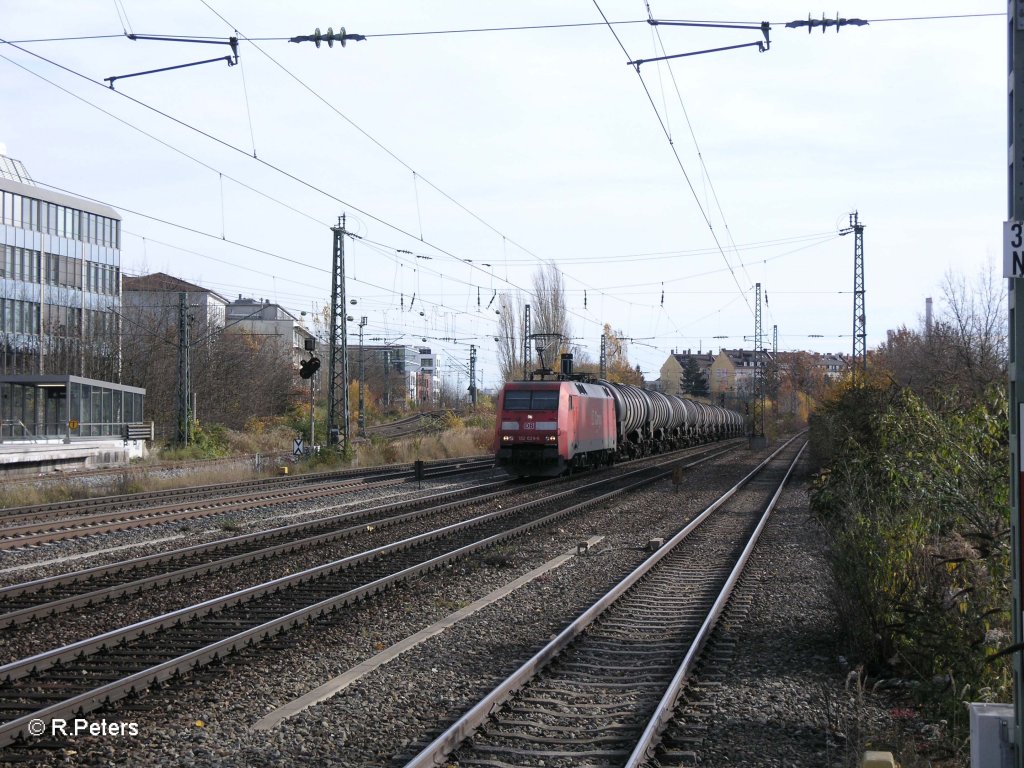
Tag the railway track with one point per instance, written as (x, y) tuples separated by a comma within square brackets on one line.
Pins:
[(603, 690), (82, 676), (14, 515), (420, 422), (20, 603), (24, 529)]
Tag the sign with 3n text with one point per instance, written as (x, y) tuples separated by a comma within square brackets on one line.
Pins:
[(1013, 249)]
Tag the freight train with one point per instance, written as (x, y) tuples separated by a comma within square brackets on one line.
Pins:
[(547, 428)]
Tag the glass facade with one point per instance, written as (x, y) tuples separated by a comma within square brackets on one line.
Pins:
[(24, 212), (60, 283), (39, 407)]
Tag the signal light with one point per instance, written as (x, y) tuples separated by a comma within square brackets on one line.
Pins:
[(308, 367)]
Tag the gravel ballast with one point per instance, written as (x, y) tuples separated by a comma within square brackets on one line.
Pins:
[(779, 697)]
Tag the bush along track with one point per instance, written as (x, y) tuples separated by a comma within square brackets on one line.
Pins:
[(914, 500)]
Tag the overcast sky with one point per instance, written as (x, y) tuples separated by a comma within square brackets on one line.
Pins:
[(465, 161)]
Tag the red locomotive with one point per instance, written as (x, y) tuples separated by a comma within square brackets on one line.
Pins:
[(547, 428)]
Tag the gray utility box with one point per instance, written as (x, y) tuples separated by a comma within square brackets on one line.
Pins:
[(992, 735)]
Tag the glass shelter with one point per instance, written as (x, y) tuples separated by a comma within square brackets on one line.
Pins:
[(48, 407)]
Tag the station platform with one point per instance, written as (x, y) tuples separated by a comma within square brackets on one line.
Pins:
[(39, 457)]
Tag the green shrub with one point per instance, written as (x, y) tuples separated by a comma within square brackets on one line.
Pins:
[(207, 443), (915, 503)]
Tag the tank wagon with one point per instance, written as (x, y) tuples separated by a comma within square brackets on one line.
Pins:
[(547, 428)]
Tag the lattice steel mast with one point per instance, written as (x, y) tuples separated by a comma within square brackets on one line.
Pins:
[(603, 374), (757, 412), (472, 374), (184, 394), (338, 374), (860, 350), (526, 342)]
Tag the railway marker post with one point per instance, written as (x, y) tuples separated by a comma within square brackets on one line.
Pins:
[(1012, 258), (677, 478)]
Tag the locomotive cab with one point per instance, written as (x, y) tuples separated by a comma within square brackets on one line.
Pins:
[(545, 428)]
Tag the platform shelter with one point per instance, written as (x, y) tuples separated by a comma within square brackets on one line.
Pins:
[(49, 407)]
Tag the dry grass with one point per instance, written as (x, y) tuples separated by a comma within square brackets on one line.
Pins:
[(137, 480), (151, 475), (452, 443)]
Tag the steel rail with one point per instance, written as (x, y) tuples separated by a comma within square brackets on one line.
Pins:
[(33, 534), (21, 612), (331, 529), (14, 514), (407, 426), (47, 659), (440, 748), (112, 690), (664, 712)]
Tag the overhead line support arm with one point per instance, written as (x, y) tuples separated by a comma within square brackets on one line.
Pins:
[(231, 60), (762, 46)]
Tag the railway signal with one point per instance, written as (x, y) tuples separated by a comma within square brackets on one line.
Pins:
[(308, 367)]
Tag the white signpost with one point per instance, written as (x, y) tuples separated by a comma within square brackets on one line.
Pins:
[(1013, 249)]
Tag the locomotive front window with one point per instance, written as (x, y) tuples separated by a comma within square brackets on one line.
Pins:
[(517, 400), (525, 400), (545, 401)]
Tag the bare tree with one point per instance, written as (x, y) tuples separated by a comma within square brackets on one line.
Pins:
[(976, 322), (510, 336), (447, 394), (234, 376), (149, 351), (962, 354), (619, 368), (550, 313)]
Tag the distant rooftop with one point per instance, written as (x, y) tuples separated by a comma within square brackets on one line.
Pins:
[(161, 282), (14, 170)]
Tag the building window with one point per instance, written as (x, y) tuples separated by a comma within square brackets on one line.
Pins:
[(53, 219), (15, 210)]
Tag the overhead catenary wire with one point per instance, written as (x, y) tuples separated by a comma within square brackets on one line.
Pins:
[(522, 28), (228, 145), (219, 238), (160, 141), (592, 296), (271, 166), (696, 144), (675, 153), (211, 168), (319, 97), (385, 149)]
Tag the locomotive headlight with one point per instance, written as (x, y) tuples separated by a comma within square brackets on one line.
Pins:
[(506, 438), (552, 438)]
